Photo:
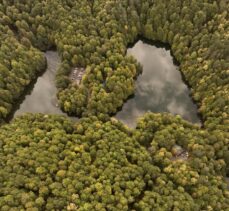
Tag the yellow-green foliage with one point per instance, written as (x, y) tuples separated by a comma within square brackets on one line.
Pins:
[(48, 162)]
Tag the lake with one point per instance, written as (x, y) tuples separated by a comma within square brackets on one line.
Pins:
[(42, 98), (159, 88)]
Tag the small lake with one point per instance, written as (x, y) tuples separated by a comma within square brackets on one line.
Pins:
[(159, 88), (42, 98)]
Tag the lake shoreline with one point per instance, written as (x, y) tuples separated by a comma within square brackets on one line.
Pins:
[(160, 47)]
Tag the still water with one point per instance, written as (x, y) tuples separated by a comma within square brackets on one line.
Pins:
[(159, 88), (42, 98)]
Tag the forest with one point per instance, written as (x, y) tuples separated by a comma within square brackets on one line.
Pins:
[(48, 162)]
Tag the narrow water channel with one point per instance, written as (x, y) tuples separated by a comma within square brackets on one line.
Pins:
[(42, 98), (159, 88)]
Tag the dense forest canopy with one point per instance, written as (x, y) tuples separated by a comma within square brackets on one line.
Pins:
[(48, 162), (103, 165)]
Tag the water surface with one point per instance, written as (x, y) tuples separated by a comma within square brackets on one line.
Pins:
[(159, 88), (42, 98)]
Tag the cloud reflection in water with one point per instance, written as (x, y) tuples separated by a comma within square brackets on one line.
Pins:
[(160, 87)]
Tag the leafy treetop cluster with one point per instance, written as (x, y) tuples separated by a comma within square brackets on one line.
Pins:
[(19, 65), (102, 165), (47, 162), (95, 35)]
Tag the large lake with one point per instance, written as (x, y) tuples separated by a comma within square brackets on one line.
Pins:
[(42, 98), (159, 88)]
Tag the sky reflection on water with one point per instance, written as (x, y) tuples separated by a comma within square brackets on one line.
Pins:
[(42, 98), (160, 87)]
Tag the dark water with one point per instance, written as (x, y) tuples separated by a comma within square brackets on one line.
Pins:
[(42, 98), (159, 88)]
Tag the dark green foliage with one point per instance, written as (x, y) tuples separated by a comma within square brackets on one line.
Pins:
[(19, 65), (48, 163), (95, 165)]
